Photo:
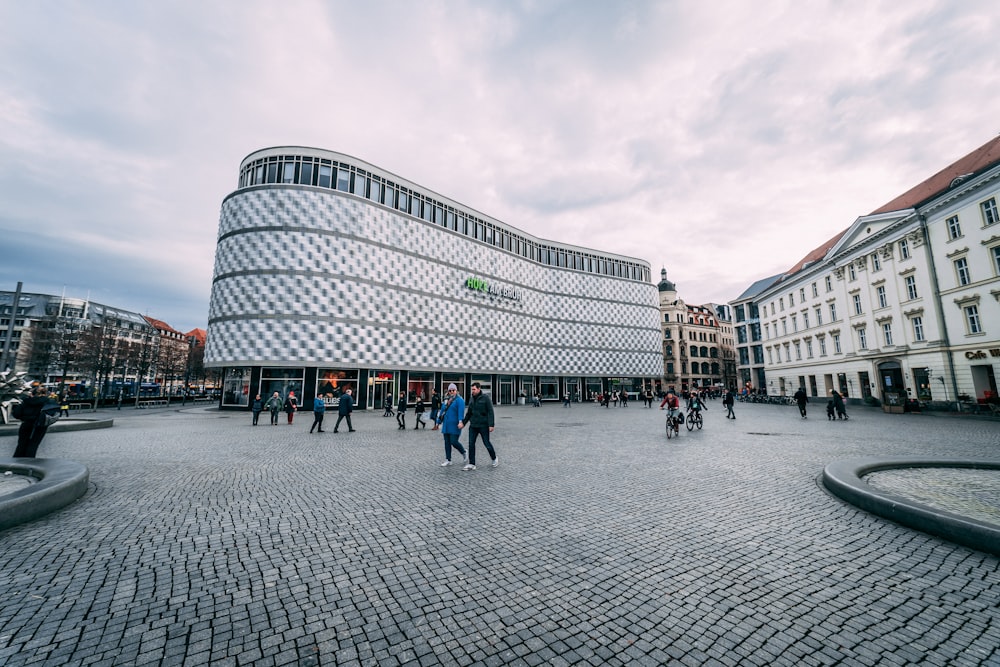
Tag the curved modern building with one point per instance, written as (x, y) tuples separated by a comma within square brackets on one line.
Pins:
[(332, 273)]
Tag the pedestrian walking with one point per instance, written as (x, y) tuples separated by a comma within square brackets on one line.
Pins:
[(256, 408), (319, 411), (565, 399), (274, 405), (291, 407), (449, 417), (401, 411), (418, 412), (624, 398), (387, 406), (34, 411), (435, 408), (64, 405), (728, 400), (344, 409), (801, 399), (838, 405), (479, 417)]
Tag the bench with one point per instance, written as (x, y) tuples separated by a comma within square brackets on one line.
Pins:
[(153, 403)]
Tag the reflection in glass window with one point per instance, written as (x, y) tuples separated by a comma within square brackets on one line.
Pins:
[(289, 173), (343, 180), (389, 198), (325, 175), (306, 174), (404, 201), (272, 173), (375, 191)]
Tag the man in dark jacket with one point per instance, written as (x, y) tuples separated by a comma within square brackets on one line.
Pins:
[(35, 407), (801, 398), (344, 410), (479, 417)]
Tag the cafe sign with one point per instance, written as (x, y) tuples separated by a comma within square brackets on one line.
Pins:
[(493, 289), (979, 354)]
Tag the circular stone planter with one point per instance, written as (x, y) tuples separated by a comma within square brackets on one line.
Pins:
[(845, 479), (59, 483)]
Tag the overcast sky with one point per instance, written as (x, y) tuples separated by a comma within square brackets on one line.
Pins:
[(721, 140)]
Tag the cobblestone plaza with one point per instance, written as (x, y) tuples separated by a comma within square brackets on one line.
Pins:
[(205, 540)]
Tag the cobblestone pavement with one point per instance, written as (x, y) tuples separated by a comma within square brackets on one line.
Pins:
[(204, 540)]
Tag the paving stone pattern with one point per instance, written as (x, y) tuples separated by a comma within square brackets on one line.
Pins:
[(971, 493), (206, 541)]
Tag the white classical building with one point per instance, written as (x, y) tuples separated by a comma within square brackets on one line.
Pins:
[(332, 273), (903, 304)]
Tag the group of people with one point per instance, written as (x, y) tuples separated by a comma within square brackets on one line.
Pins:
[(290, 405), (835, 408), (455, 414), (449, 415)]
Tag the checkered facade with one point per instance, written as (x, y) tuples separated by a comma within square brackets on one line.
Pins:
[(323, 278)]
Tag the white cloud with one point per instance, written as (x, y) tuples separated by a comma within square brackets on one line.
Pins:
[(723, 140)]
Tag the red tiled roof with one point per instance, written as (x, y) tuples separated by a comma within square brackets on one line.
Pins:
[(160, 325), (197, 334), (983, 157)]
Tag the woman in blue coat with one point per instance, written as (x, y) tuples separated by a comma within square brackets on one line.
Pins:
[(452, 411)]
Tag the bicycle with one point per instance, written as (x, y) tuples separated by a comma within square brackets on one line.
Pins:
[(693, 419), (673, 426)]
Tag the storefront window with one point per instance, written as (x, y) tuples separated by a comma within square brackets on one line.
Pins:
[(922, 380), (420, 384), (283, 381), (573, 388), (236, 387), (331, 384), (382, 385), (527, 387), (593, 388), (549, 388)]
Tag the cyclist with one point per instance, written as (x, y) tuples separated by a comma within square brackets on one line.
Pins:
[(674, 407), (695, 404)]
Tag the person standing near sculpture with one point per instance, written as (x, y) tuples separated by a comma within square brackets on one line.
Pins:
[(32, 412), (479, 417)]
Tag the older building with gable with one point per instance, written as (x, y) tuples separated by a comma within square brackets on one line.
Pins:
[(904, 304)]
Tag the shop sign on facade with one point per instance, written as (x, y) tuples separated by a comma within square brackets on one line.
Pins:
[(480, 285), (979, 354)]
